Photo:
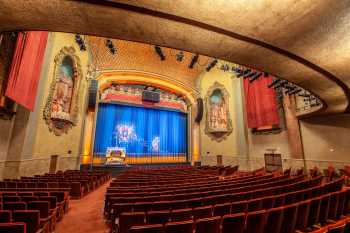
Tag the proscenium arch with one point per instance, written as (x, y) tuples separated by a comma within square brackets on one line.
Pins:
[(105, 78), (286, 43)]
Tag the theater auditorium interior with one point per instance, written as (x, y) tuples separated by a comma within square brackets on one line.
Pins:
[(197, 116)]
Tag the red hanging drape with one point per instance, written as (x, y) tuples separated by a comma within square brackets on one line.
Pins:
[(26, 67), (260, 101)]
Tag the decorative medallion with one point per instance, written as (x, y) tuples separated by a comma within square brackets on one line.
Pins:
[(218, 122), (62, 106)]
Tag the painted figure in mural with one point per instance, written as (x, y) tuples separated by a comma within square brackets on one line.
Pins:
[(218, 116), (62, 98)]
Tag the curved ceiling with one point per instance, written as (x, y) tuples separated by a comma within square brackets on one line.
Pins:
[(305, 42)]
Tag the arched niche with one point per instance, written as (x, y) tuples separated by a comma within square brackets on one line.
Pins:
[(218, 121), (62, 105)]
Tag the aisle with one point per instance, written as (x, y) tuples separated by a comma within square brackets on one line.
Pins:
[(85, 215)]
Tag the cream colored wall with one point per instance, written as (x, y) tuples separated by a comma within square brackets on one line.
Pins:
[(258, 144), (228, 147), (326, 140), (44, 143)]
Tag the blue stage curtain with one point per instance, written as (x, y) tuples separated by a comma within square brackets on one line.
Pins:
[(141, 131)]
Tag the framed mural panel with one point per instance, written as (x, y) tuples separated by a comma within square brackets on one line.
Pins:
[(62, 106), (218, 121)]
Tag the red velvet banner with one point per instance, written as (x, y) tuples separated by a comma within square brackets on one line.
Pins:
[(26, 68), (260, 101)]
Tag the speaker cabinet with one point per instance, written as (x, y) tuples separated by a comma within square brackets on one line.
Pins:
[(151, 96), (199, 115), (92, 93)]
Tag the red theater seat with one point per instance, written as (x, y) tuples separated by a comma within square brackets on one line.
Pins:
[(274, 220), (43, 207), (14, 206), (222, 209), (324, 209), (256, 222), (30, 217), (302, 215), (129, 219), (315, 206), (158, 217), (289, 218), (15, 227), (29, 198), (11, 199), (334, 203), (5, 216), (202, 212), (177, 227), (239, 207), (156, 228), (208, 225), (233, 223), (181, 215)]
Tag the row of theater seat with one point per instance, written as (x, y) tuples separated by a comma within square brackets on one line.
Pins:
[(235, 224), (78, 183), (219, 197), (239, 186), (203, 186), (306, 203), (190, 183), (38, 210), (262, 196), (33, 207)]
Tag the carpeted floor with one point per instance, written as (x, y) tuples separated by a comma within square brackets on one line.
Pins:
[(85, 215)]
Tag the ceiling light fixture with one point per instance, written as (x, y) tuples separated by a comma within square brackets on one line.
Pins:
[(193, 61), (160, 53)]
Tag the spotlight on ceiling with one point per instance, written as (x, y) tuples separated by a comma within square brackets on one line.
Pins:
[(211, 65), (110, 46), (255, 77), (159, 52), (249, 75), (180, 56), (225, 67), (289, 89), (80, 42), (295, 92), (239, 71), (247, 71), (274, 82), (281, 84), (193, 61)]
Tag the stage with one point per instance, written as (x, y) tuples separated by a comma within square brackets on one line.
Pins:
[(115, 169)]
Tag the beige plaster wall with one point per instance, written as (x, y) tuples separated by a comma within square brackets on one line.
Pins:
[(43, 142), (326, 140), (258, 144), (241, 147), (228, 147)]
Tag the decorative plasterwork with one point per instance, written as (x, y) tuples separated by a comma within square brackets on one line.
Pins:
[(218, 123), (60, 120)]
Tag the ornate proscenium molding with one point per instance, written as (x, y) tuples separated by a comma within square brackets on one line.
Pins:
[(218, 121), (62, 106)]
